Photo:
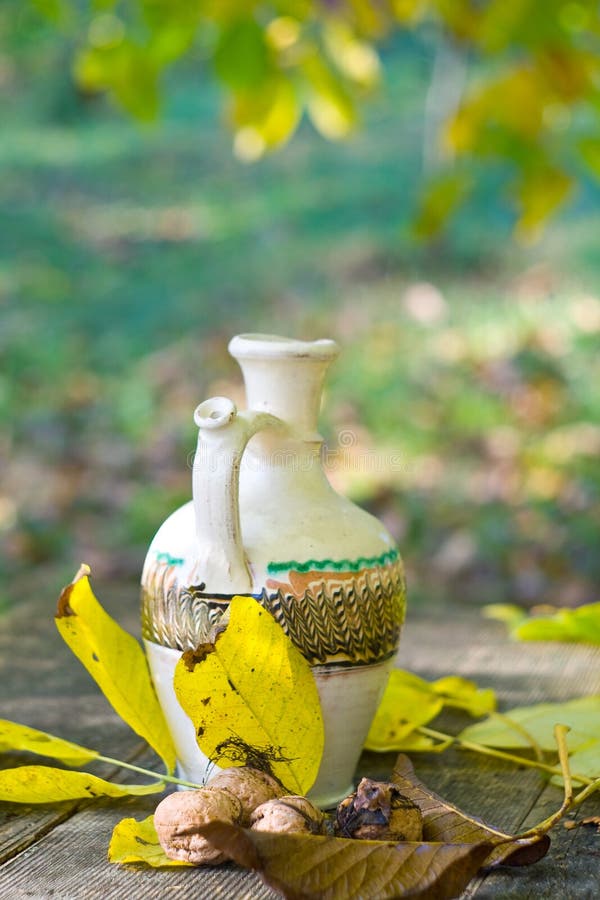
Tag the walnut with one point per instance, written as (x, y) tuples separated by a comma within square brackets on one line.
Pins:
[(251, 786), (377, 811), (288, 815), (179, 815)]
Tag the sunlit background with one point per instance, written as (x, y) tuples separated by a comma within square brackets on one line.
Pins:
[(468, 388)]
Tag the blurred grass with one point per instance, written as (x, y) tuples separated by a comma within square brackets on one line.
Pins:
[(129, 256)]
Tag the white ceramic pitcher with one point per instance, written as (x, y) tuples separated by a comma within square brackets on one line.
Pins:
[(265, 521)]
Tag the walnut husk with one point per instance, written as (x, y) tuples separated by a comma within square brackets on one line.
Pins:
[(377, 811)]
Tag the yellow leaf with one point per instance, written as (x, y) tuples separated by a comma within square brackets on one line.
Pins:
[(264, 120), (46, 784), (357, 59), (462, 693), (20, 737), (407, 703), (137, 842), (409, 11), (539, 194), (329, 104), (253, 699), (115, 661)]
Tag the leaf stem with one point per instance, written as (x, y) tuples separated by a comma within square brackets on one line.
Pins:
[(171, 779), (560, 734), (586, 792), (516, 726), (500, 754)]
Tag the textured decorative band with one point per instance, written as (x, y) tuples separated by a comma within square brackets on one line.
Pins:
[(347, 617), (335, 565)]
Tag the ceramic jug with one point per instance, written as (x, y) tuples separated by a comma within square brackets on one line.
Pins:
[(264, 521)]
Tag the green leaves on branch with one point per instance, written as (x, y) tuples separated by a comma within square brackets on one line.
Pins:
[(253, 699), (535, 76)]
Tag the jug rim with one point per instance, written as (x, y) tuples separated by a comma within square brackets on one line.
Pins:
[(274, 346)]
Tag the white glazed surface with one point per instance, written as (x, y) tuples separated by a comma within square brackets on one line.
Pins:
[(348, 699), (262, 500)]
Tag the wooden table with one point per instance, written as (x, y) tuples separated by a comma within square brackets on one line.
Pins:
[(59, 851)]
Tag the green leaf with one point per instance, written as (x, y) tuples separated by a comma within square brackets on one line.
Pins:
[(137, 842), (582, 716), (438, 201), (311, 866), (508, 613), (115, 661), (589, 148), (253, 699), (46, 784), (20, 737), (242, 57), (410, 701), (580, 625), (128, 71)]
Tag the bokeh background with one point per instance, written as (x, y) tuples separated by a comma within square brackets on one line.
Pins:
[(131, 252)]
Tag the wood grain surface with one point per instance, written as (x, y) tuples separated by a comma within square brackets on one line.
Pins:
[(59, 851)]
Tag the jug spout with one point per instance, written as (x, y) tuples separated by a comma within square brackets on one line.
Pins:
[(284, 377)]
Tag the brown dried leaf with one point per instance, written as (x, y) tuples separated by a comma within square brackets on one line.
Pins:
[(444, 822), (312, 867)]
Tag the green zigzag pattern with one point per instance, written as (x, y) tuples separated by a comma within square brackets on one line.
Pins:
[(335, 565)]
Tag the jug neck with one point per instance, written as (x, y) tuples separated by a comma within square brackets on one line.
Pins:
[(284, 377)]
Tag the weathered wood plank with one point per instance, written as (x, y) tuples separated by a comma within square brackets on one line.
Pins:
[(66, 853), (44, 686)]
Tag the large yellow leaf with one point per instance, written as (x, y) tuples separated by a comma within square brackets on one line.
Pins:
[(115, 661), (46, 784), (137, 842), (20, 737), (253, 699)]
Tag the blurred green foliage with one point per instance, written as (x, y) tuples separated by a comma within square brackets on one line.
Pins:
[(526, 76), (129, 256)]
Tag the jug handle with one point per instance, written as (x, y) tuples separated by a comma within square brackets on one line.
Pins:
[(222, 438)]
